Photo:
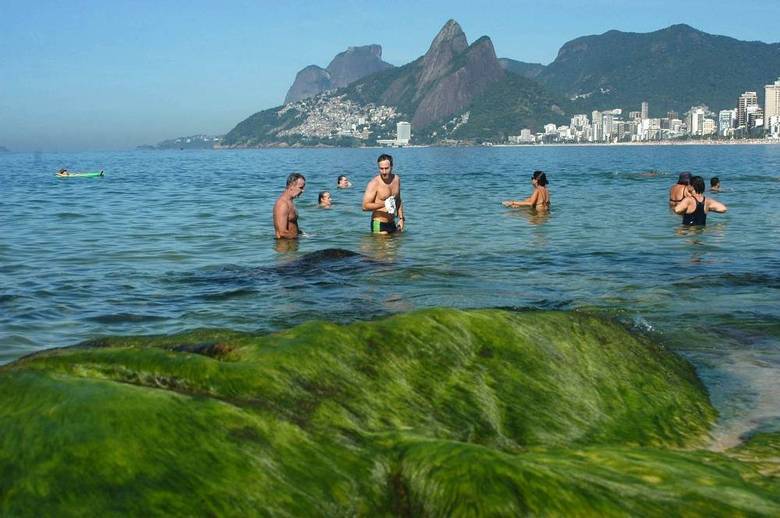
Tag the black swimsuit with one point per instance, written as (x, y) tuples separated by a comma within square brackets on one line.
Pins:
[(698, 216)]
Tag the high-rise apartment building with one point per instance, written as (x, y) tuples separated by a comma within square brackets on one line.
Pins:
[(403, 133), (772, 100), (645, 110), (725, 122), (745, 100)]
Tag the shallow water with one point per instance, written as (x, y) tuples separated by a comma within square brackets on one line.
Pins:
[(170, 241)]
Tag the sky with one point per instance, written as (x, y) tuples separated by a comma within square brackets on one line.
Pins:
[(95, 75)]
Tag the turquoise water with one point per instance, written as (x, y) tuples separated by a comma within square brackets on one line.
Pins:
[(171, 241)]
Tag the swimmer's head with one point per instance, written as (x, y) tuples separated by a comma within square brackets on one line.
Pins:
[(540, 177), (714, 182), (343, 182), (697, 182), (324, 198), (685, 178)]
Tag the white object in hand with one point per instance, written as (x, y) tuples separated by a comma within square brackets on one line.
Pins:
[(390, 205)]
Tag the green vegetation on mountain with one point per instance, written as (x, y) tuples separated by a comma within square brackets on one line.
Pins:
[(262, 127), (508, 106), (438, 412), (521, 68), (673, 69)]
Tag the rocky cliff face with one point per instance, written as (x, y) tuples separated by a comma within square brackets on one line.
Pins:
[(347, 67), (461, 79), (450, 42), (308, 82), (356, 63)]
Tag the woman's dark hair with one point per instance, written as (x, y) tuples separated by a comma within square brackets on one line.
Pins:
[(697, 182), (540, 177), (385, 156), (321, 196)]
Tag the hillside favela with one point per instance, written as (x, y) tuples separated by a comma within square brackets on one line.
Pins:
[(342, 259)]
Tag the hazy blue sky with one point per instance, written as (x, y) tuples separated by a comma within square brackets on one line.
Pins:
[(112, 75)]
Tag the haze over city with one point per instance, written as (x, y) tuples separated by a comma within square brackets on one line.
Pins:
[(88, 75)]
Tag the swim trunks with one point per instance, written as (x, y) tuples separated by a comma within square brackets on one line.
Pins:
[(378, 227)]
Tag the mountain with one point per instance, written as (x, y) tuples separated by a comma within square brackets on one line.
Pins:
[(441, 83), (348, 66), (455, 90), (521, 68), (672, 68)]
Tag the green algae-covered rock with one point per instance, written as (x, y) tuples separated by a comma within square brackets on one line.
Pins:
[(436, 412)]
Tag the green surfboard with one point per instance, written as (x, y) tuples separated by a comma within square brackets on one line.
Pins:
[(87, 174)]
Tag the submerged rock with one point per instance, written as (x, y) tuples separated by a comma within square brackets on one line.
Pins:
[(434, 412)]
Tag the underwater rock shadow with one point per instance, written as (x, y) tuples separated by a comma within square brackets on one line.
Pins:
[(330, 266)]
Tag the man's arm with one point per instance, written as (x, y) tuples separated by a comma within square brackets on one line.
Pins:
[(369, 198), (399, 207), (281, 221), (715, 206)]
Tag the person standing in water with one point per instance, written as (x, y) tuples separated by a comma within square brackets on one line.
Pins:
[(285, 214), (383, 199), (539, 199), (694, 207)]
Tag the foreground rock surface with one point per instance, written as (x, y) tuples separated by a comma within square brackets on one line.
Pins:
[(435, 412)]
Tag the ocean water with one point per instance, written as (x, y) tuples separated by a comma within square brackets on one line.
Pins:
[(170, 241)]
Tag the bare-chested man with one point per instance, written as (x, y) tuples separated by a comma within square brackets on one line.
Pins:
[(285, 215), (383, 199)]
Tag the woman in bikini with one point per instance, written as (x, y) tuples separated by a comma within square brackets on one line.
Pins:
[(539, 199), (678, 190)]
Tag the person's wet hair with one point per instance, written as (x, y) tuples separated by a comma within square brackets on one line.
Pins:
[(294, 177), (383, 157), (541, 178), (684, 178), (697, 182), (341, 177), (321, 196), (714, 181)]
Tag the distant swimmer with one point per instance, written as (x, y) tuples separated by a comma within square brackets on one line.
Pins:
[(539, 199), (285, 214), (677, 191), (342, 182), (383, 199), (63, 172), (324, 200), (714, 184), (695, 206)]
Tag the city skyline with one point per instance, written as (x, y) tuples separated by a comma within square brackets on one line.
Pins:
[(92, 76)]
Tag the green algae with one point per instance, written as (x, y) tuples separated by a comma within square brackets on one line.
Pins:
[(436, 412)]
